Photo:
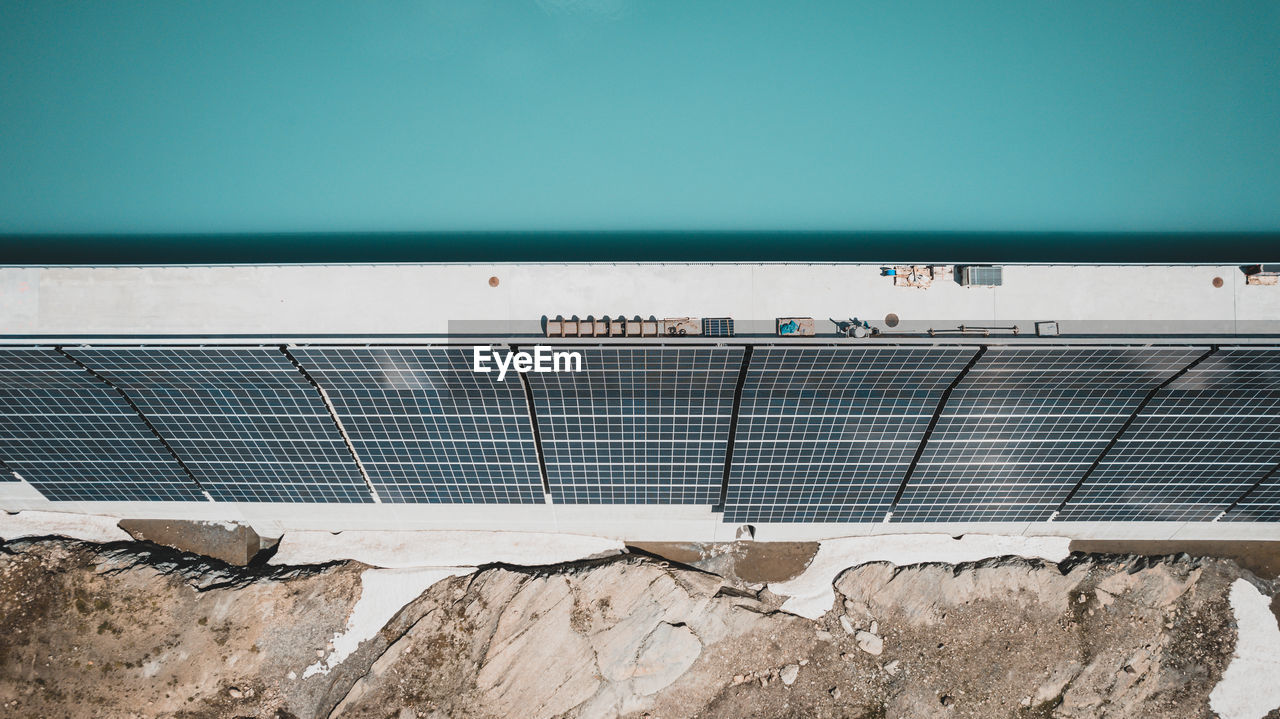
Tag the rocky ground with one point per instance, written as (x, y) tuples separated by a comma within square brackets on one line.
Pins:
[(137, 630)]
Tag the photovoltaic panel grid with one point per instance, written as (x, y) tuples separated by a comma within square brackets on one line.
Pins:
[(74, 438), (825, 434), (244, 421), (1200, 444), (638, 425), (427, 427), (1024, 425), (1261, 504)]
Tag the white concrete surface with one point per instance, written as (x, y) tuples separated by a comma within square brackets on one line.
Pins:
[(631, 523), (328, 300), (88, 527), (1250, 687), (812, 593), (440, 548), (383, 593)]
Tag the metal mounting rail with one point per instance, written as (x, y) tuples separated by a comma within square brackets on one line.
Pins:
[(733, 429), (537, 433)]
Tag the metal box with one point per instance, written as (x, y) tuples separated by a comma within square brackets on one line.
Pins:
[(679, 326), (795, 327), (981, 276), (717, 327)]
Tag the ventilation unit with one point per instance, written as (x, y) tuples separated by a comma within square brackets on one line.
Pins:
[(981, 276)]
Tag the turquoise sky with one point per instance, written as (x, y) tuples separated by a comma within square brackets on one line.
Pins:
[(213, 116)]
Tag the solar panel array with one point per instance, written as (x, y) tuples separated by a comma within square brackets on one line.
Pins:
[(74, 438), (1195, 448), (244, 421), (1023, 427), (826, 434), (427, 427), (822, 433), (637, 425)]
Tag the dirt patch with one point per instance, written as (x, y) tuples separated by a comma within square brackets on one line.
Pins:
[(1261, 558), (750, 562), (129, 630)]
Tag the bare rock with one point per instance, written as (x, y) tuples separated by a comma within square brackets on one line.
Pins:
[(847, 625), (870, 643), (622, 637), (230, 542)]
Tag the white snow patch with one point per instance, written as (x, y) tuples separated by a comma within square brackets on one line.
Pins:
[(383, 592), (87, 527), (401, 549), (812, 593), (1248, 689)]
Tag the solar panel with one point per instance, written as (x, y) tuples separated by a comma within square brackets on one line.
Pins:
[(1023, 427), (427, 427), (638, 425), (1262, 504), (717, 327), (74, 438), (1195, 448), (244, 421), (825, 434)]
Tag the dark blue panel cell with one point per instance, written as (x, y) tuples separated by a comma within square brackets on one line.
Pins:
[(427, 427), (1261, 504), (1198, 446), (825, 434), (1024, 425), (244, 420), (638, 425), (74, 438)]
